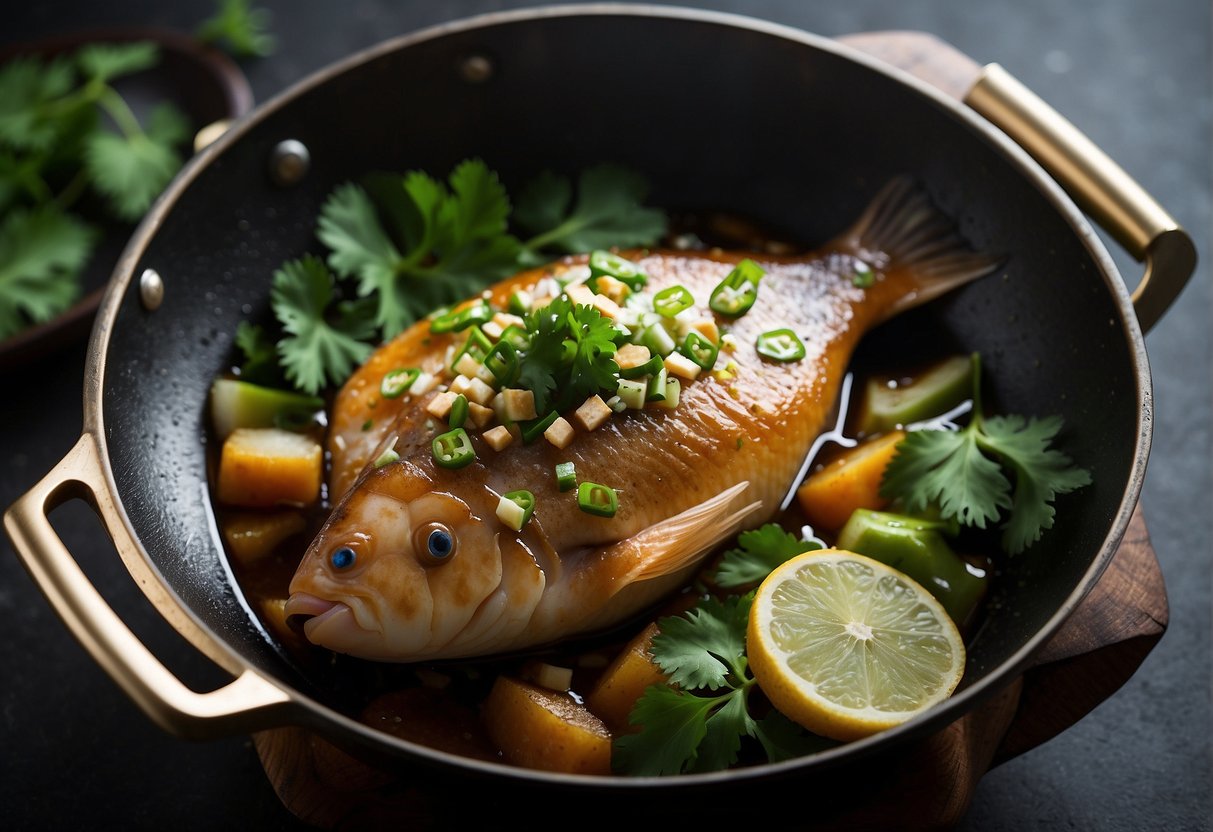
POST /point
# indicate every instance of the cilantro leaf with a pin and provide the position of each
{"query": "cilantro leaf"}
(964, 472)
(316, 352)
(132, 170)
(41, 254)
(545, 355)
(443, 245)
(592, 345)
(674, 725)
(240, 28)
(609, 212)
(702, 647)
(260, 364)
(760, 551)
(27, 86)
(783, 739)
(106, 61)
(725, 727)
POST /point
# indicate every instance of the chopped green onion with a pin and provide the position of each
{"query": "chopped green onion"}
(367, 425)
(632, 393)
(673, 392)
(534, 429)
(700, 350)
(459, 412)
(734, 295)
(658, 340)
(656, 389)
(601, 500)
(669, 302)
(397, 381)
(387, 458)
(477, 346)
(625, 271)
(648, 368)
(515, 508)
(566, 476)
(502, 361)
(780, 345)
(458, 321)
(453, 449)
(864, 277)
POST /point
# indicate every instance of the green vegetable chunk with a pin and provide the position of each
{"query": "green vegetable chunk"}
(622, 269)
(734, 295)
(566, 476)
(888, 404)
(238, 404)
(917, 548)
(600, 500)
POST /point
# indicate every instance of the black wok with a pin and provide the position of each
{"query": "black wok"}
(721, 113)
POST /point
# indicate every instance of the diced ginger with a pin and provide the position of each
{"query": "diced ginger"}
(440, 405)
(546, 675)
(560, 433)
(544, 729)
(253, 535)
(479, 414)
(830, 495)
(493, 330)
(265, 467)
(480, 392)
(677, 364)
(505, 320)
(498, 437)
(707, 328)
(631, 355)
(624, 681)
(592, 413)
(460, 385)
(467, 365)
(612, 288)
(518, 405)
(580, 295)
(605, 306)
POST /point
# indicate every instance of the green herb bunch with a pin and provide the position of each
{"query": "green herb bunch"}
(401, 245)
(67, 134)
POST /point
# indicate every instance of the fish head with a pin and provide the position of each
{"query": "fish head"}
(397, 568)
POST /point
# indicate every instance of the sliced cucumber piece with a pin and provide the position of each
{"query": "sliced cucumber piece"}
(888, 405)
(239, 404)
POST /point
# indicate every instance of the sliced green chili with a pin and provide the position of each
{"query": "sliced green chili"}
(516, 336)
(623, 270)
(397, 381)
(669, 302)
(453, 449)
(656, 388)
(601, 500)
(864, 277)
(525, 500)
(780, 345)
(700, 349)
(566, 476)
(476, 314)
(459, 412)
(646, 369)
(734, 295)
(502, 361)
(520, 303)
(477, 345)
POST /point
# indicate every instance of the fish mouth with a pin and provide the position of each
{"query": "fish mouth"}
(329, 623)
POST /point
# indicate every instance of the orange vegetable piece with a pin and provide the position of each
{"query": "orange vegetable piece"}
(624, 681)
(545, 729)
(829, 495)
(265, 467)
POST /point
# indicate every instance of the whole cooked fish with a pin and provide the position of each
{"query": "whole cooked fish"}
(413, 564)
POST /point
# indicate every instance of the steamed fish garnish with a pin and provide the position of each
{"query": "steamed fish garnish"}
(415, 562)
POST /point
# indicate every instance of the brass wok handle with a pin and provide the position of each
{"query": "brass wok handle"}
(1099, 185)
(247, 703)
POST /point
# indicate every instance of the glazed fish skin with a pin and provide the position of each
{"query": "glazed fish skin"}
(688, 478)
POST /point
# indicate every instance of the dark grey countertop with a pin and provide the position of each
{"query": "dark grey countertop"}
(1135, 76)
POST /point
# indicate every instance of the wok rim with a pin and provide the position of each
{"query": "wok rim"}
(315, 714)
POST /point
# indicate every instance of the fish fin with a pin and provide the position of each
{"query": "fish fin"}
(679, 542)
(902, 228)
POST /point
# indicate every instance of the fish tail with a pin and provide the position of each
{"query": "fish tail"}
(902, 229)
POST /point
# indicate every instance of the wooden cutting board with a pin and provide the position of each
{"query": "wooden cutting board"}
(926, 785)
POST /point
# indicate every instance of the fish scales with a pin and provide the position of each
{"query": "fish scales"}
(747, 429)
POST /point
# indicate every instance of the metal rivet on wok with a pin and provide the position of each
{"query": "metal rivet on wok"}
(476, 69)
(151, 289)
(289, 162)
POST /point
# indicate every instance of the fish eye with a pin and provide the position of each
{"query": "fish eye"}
(342, 558)
(435, 543)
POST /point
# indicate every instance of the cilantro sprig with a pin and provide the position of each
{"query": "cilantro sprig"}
(965, 472)
(65, 130)
(240, 28)
(699, 720)
(406, 244)
(758, 552)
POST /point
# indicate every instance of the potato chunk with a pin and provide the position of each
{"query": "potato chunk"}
(545, 729)
(830, 495)
(264, 467)
(252, 536)
(624, 681)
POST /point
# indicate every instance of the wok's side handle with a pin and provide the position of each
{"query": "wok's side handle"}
(1098, 184)
(249, 702)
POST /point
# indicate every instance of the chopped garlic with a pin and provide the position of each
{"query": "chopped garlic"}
(424, 384)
